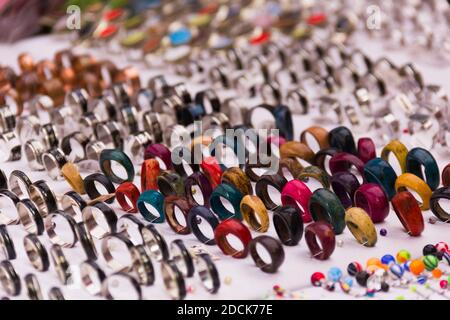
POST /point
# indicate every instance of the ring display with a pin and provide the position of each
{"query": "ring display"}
(92, 277)
(373, 200)
(418, 157)
(60, 263)
(197, 179)
(8, 207)
(142, 265)
(113, 243)
(131, 192)
(91, 189)
(9, 279)
(119, 286)
(30, 217)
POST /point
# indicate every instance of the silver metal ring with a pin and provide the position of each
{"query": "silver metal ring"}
(30, 217)
(92, 277)
(60, 263)
(7, 244)
(36, 252)
(28, 127)
(9, 279)
(88, 122)
(173, 280)
(8, 210)
(7, 119)
(113, 246)
(130, 226)
(34, 149)
(33, 287)
(10, 147)
(208, 273)
(55, 293)
(135, 146)
(142, 265)
(53, 160)
(121, 286)
(93, 150)
(57, 230)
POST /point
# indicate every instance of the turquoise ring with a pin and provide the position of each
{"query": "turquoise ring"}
(154, 199)
(109, 155)
(229, 193)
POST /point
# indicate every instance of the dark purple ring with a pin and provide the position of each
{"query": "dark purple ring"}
(158, 150)
(198, 178)
(343, 161)
(366, 149)
(344, 185)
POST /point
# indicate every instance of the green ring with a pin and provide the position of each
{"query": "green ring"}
(231, 194)
(324, 205)
(108, 155)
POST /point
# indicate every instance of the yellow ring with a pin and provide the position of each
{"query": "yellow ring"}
(252, 206)
(361, 226)
(399, 150)
(70, 172)
(413, 182)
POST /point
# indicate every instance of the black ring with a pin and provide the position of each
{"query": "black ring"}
(37, 254)
(319, 157)
(7, 243)
(179, 167)
(207, 215)
(9, 279)
(273, 247)
(47, 204)
(50, 138)
(91, 189)
(183, 258)
(341, 138)
(91, 224)
(14, 179)
(288, 225)
(197, 178)
(277, 181)
(189, 113)
(171, 275)
(161, 251)
(170, 184)
(212, 98)
(438, 211)
(31, 219)
(210, 273)
(86, 241)
(142, 265)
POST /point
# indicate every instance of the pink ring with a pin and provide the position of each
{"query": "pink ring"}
(297, 193)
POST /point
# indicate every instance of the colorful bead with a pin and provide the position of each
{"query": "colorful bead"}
(442, 246)
(373, 262)
(443, 284)
(334, 274)
(387, 259)
(429, 249)
(436, 273)
(383, 232)
(422, 279)
(361, 278)
(431, 262)
(417, 267)
(353, 268)
(317, 279)
(348, 281)
(406, 266)
(397, 270)
(344, 287)
(340, 243)
(403, 256)
(432, 220)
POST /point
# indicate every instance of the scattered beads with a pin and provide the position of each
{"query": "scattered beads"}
(443, 284)
(334, 274)
(340, 243)
(429, 249)
(436, 273)
(417, 267)
(317, 279)
(441, 246)
(432, 220)
(387, 259)
(228, 280)
(353, 268)
(383, 232)
(430, 262)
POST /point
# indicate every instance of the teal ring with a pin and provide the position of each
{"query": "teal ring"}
(108, 155)
(324, 205)
(418, 157)
(232, 195)
(156, 200)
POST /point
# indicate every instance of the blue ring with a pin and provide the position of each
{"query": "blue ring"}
(156, 200)
(418, 157)
(379, 171)
(231, 194)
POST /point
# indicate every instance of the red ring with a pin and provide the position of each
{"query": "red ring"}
(212, 170)
(408, 212)
(149, 173)
(236, 228)
(129, 190)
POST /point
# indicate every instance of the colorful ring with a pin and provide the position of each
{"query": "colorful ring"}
(344, 185)
(399, 150)
(297, 193)
(295, 149)
(156, 200)
(236, 228)
(254, 213)
(341, 138)
(379, 171)
(413, 182)
(169, 211)
(261, 188)
(320, 135)
(315, 173)
(288, 225)
(149, 173)
(361, 226)
(275, 250)
(199, 179)
(408, 212)
(438, 211)
(108, 155)
(205, 214)
(170, 184)
(231, 194)
(324, 205)
(129, 190)
(158, 150)
(212, 170)
(343, 161)
(373, 200)
(237, 178)
(446, 176)
(366, 149)
(419, 157)
(322, 232)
